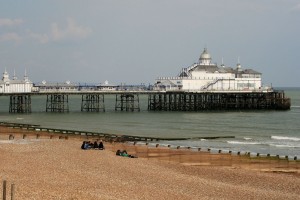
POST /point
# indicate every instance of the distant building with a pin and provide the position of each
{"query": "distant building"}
(15, 86)
(55, 87)
(106, 86)
(205, 75)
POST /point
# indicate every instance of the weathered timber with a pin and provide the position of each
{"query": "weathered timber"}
(57, 103)
(206, 101)
(20, 103)
(92, 103)
(127, 102)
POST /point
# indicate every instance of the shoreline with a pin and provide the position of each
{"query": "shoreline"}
(60, 169)
(182, 155)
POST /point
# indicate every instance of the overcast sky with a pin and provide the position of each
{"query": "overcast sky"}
(135, 41)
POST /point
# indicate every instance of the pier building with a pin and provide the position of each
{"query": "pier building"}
(15, 85)
(208, 76)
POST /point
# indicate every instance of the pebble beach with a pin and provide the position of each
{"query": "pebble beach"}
(60, 169)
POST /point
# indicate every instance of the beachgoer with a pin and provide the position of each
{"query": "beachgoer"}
(95, 146)
(101, 146)
(118, 153)
(83, 144)
(125, 154)
(86, 145)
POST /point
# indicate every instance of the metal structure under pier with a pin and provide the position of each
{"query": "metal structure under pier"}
(206, 101)
(57, 103)
(20, 103)
(127, 102)
(92, 103)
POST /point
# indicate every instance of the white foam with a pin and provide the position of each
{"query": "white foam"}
(285, 146)
(295, 106)
(285, 138)
(247, 138)
(238, 142)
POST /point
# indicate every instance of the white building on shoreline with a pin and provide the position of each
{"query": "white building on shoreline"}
(15, 86)
(207, 76)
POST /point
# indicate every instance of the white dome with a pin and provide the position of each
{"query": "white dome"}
(205, 58)
(205, 55)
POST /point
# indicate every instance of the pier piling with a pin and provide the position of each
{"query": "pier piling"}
(206, 101)
(92, 103)
(57, 103)
(20, 103)
(127, 102)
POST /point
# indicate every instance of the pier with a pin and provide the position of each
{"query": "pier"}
(205, 101)
(128, 101)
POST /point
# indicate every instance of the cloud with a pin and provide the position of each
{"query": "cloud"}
(10, 22)
(72, 30)
(296, 7)
(42, 38)
(10, 37)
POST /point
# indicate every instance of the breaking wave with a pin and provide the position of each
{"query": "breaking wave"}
(285, 138)
(239, 142)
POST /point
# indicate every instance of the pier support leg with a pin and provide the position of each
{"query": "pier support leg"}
(92, 103)
(57, 103)
(20, 103)
(127, 102)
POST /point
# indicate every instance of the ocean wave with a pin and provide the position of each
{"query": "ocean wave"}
(247, 138)
(295, 106)
(239, 142)
(285, 145)
(285, 138)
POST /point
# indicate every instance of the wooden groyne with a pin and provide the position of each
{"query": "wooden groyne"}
(144, 147)
(206, 101)
(211, 157)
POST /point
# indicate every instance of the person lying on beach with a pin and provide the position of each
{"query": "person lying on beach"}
(124, 154)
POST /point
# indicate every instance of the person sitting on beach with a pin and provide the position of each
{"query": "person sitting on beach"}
(101, 146)
(95, 146)
(85, 145)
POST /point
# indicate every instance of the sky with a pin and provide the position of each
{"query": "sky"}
(136, 41)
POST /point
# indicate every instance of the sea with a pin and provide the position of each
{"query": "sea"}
(258, 131)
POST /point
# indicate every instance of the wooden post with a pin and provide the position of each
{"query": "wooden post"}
(4, 190)
(12, 194)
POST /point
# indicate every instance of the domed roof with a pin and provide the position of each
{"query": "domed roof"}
(205, 55)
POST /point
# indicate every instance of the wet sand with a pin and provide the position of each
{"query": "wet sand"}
(59, 169)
